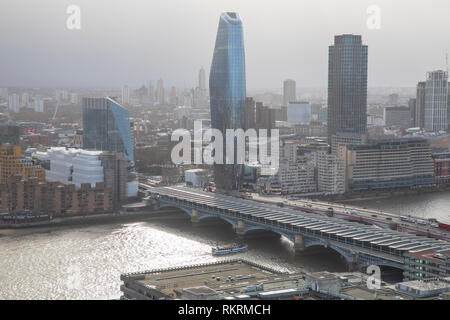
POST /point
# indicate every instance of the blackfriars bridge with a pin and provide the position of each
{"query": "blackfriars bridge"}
(360, 245)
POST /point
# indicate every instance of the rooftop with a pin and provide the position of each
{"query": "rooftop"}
(227, 278)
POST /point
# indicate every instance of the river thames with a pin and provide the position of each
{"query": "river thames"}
(426, 205)
(85, 262)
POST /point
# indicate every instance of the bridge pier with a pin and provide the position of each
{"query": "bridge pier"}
(240, 229)
(194, 217)
(353, 264)
(299, 244)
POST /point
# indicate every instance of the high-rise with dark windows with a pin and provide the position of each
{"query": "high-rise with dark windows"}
(106, 126)
(347, 85)
(289, 91)
(228, 91)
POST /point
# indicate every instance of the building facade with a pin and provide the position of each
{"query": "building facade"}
(12, 163)
(412, 112)
(347, 85)
(428, 264)
(442, 168)
(106, 126)
(227, 86)
(32, 195)
(330, 173)
(436, 95)
(289, 91)
(420, 105)
(397, 116)
(388, 164)
(297, 170)
(81, 167)
(298, 112)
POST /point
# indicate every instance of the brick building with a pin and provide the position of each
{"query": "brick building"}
(19, 195)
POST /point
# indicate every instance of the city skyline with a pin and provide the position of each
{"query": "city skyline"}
(144, 55)
(142, 143)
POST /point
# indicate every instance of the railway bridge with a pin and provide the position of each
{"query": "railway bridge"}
(360, 245)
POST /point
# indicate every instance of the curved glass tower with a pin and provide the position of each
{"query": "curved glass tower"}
(227, 91)
(106, 126)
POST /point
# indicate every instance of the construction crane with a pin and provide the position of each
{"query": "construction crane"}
(52, 122)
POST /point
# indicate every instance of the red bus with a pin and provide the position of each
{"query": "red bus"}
(444, 226)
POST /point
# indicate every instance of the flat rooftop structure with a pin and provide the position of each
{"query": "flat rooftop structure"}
(426, 288)
(223, 279)
(361, 292)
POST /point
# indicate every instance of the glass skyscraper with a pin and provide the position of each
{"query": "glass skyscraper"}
(347, 85)
(228, 91)
(106, 126)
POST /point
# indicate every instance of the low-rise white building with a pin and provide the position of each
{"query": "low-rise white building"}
(73, 166)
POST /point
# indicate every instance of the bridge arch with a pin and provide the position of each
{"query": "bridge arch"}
(347, 255)
(187, 211)
(210, 216)
(249, 228)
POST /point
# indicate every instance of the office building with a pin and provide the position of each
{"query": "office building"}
(160, 92)
(202, 79)
(330, 173)
(289, 91)
(393, 98)
(343, 139)
(265, 117)
(420, 105)
(388, 164)
(126, 94)
(347, 85)
(227, 89)
(12, 163)
(106, 126)
(397, 116)
(412, 112)
(296, 173)
(298, 112)
(9, 133)
(436, 95)
(429, 264)
(250, 113)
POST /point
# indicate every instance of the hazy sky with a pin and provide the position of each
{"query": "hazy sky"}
(133, 41)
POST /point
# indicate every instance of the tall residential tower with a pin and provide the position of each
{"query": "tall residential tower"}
(436, 94)
(289, 91)
(228, 91)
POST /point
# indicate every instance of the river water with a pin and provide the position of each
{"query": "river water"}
(85, 262)
(426, 205)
